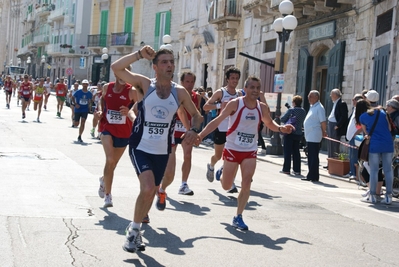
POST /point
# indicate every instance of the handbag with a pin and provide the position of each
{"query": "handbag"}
(363, 153)
(291, 120)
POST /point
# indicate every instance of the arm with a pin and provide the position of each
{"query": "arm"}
(140, 82)
(185, 99)
(230, 108)
(271, 124)
(183, 117)
(210, 104)
(324, 128)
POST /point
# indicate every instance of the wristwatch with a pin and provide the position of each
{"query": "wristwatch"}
(195, 130)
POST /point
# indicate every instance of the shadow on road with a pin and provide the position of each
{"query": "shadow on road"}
(252, 238)
(113, 222)
(188, 207)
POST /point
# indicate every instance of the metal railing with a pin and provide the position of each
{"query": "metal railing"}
(97, 40)
(122, 39)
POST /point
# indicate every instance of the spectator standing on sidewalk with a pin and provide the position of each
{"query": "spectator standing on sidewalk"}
(291, 141)
(352, 130)
(315, 129)
(337, 122)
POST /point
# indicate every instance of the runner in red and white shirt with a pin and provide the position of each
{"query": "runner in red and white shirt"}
(61, 91)
(244, 116)
(25, 92)
(8, 87)
(183, 124)
(113, 108)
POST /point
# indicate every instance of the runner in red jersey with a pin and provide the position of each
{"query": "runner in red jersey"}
(61, 91)
(8, 86)
(25, 90)
(116, 125)
(183, 124)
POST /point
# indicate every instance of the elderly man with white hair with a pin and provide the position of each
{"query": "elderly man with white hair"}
(337, 122)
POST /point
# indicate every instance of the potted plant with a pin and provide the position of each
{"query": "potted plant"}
(339, 165)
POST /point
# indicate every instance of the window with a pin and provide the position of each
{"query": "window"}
(162, 27)
(230, 53)
(269, 46)
(384, 22)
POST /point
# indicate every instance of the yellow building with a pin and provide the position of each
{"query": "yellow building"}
(115, 31)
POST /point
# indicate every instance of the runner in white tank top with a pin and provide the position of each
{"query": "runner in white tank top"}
(149, 145)
(244, 117)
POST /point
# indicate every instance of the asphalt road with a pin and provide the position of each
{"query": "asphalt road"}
(51, 214)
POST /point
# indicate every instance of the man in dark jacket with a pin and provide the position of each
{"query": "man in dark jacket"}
(337, 122)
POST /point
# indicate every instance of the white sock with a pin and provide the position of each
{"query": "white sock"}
(136, 226)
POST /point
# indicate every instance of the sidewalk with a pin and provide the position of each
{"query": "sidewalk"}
(279, 160)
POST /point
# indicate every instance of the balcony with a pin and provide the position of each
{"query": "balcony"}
(23, 51)
(260, 8)
(225, 14)
(54, 50)
(97, 41)
(43, 11)
(123, 41)
(57, 14)
(69, 21)
(42, 39)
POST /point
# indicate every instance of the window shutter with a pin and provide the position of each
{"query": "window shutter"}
(167, 22)
(157, 30)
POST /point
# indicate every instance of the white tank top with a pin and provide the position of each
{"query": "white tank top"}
(226, 97)
(243, 125)
(154, 125)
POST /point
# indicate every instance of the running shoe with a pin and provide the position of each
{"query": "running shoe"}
(58, 114)
(233, 189)
(369, 199)
(92, 133)
(366, 194)
(133, 240)
(23, 115)
(161, 200)
(108, 201)
(146, 219)
(38, 120)
(219, 173)
(80, 139)
(8, 106)
(238, 223)
(185, 190)
(387, 200)
(101, 189)
(45, 107)
(210, 173)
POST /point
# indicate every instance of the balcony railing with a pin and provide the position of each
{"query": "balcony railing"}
(224, 10)
(53, 49)
(57, 14)
(43, 11)
(122, 39)
(98, 40)
(41, 39)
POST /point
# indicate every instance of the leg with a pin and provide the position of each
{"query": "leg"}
(82, 125)
(388, 172)
(112, 157)
(217, 155)
(247, 167)
(288, 145)
(313, 161)
(145, 197)
(296, 155)
(170, 170)
(374, 162)
(35, 105)
(228, 174)
(186, 166)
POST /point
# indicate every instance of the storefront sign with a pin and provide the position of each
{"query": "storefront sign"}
(322, 31)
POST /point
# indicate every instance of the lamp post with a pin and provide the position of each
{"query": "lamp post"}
(283, 27)
(28, 61)
(104, 58)
(166, 39)
(42, 61)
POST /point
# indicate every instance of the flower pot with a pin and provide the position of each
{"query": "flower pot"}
(338, 167)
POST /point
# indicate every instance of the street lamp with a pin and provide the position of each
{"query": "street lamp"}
(104, 58)
(28, 61)
(42, 61)
(166, 39)
(283, 26)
